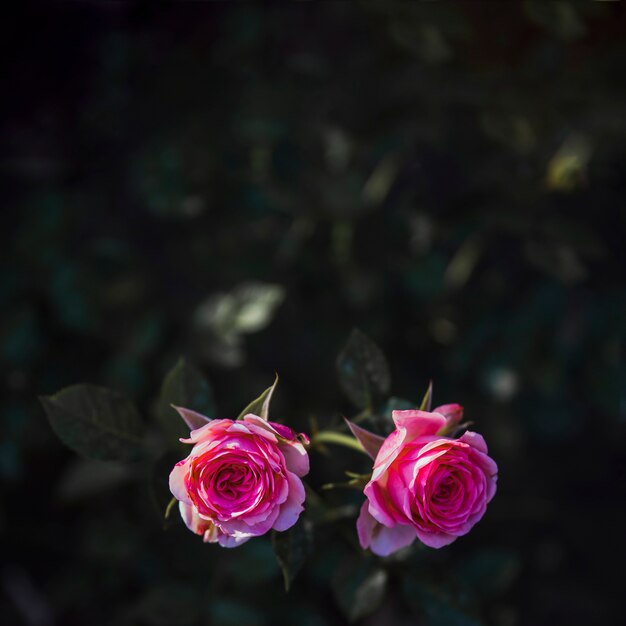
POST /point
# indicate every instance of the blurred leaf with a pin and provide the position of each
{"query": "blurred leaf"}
(84, 478)
(96, 422)
(567, 169)
(462, 264)
(379, 183)
(292, 547)
(224, 317)
(359, 589)
(261, 405)
(363, 370)
(255, 304)
(186, 387)
(489, 572)
(434, 605)
(246, 309)
(559, 17)
(396, 404)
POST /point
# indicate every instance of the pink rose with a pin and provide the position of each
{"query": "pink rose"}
(241, 479)
(425, 484)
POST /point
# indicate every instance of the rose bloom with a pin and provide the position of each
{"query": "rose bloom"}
(241, 479)
(425, 484)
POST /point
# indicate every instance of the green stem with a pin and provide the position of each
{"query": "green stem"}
(340, 439)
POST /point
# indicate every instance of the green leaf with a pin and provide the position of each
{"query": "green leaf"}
(96, 422)
(359, 588)
(292, 547)
(186, 387)
(261, 405)
(427, 400)
(363, 370)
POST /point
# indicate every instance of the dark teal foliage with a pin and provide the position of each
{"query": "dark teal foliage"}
(243, 184)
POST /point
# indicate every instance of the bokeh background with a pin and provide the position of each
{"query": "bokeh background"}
(243, 184)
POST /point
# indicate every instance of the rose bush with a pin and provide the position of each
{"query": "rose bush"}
(425, 484)
(241, 479)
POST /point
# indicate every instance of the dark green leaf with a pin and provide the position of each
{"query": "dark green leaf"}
(292, 547)
(359, 589)
(363, 370)
(96, 422)
(261, 405)
(186, 387)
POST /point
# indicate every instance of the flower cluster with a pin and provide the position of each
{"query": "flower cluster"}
(242, 479)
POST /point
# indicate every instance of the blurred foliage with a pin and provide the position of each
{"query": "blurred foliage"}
(244, 184)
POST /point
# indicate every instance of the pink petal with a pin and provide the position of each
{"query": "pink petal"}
(379, 507)
(229, 541)
(191, 518)
(177, 482)
(296, 458)
(290, 509)
(388, 452)
(417, 422)
(475, 440)
(452, 412)
(207, 431)
(381, 540)
(434, 540)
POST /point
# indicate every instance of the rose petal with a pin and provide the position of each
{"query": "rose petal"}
(417, 422)
(207, 431)
(388, 452)
(434, 540)
(475, 440)
(296, 458)
(452, 412)
(177, 482)
(381, 540)
(290, 510)
(231, 541)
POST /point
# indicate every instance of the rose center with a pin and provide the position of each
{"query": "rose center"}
(232, 480)
(447, 489)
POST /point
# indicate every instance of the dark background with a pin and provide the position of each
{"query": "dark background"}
(243, 184)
